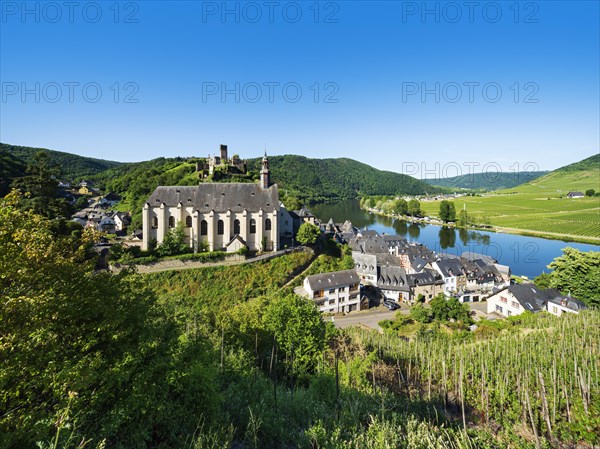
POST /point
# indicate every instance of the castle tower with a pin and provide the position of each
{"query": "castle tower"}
(265, 174)
(224, 154)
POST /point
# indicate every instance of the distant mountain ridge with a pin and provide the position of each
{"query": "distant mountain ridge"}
(486, 181)
(73, 166)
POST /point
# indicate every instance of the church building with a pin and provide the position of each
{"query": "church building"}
(218, 216)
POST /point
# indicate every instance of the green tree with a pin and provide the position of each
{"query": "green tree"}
(543, 281)
(439, 307)
(174, 242)
(299, 331)
(96, 345)
(420, 313)
(400, 207)
(414, 208)
(577, 272)
(41, 186)
(463, 218)
(308, 234)
(447, 211)
(590, 192)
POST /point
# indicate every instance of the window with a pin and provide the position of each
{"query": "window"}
(253, 226)
(220, 227)
(509, 312)
(203, 227)
(171, 222)
(188, 221)
(498, 308)
(154, 222)
(555, 310)
(515, 304)
(331, 291)
(503, 299)
(236, 226)
(268, 224)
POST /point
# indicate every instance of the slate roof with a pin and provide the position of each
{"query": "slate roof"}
(392, 278)
(333, 279)
(219, 197)
(418, 264)
(470, 255)
(529, 296)
(425, 277)
(366, 263)
(569, 302)
(450, 267)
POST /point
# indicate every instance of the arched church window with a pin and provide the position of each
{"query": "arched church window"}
(171, 222)
(268, 224)
(188, 221)
(203, 227)
(220, 227)
(154, 222)
(236, 226)
(253, 226)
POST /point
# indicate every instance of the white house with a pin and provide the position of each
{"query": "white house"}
(393, 283)
(334, 292)
(366, 267)
(213, 214)
(516, 299)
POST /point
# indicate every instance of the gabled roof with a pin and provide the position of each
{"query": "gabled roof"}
(529, 296)
(425, 277)
(450, 267)
(219, 197)
(236, 238)
(333, 279)
(392, 278)
(569, 302)
(470, 255)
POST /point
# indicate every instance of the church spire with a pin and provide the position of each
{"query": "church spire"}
(265, 173)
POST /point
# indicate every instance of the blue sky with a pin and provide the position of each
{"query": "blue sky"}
(422, 88)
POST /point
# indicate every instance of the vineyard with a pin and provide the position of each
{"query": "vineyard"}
(543, 381)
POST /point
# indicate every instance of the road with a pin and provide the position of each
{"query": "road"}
(370, 318)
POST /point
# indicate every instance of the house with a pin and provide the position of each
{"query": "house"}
(516, 299)
(559, 304)
(214, 213)
(121, 220)
(452, 274)
(110, 199)
(106, 224)
(393, 284)
(334, 292)
(366, 267)
(575, 194)
(427, 282)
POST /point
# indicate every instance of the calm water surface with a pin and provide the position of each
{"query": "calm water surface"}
(527, 256)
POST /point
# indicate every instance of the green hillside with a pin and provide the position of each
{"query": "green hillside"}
(11, 167)
(541, 206)
(73, 166)
(486, 181)
(315, 180)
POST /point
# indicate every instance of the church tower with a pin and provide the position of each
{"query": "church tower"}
(265, 174)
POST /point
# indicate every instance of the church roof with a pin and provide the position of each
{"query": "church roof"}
(219, 197)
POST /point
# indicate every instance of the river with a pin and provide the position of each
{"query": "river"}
(527, 256)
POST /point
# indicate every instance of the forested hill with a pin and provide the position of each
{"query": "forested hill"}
(590, 163)
(72, 166)
(11, 167)
(329, 179)
(486, 181)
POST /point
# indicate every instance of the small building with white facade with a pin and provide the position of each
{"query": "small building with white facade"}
(334, 292)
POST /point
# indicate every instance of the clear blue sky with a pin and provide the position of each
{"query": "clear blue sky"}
(374, 58)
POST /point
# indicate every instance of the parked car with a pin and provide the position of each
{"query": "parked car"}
(391, 305)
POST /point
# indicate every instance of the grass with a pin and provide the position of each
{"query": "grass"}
(540, 207)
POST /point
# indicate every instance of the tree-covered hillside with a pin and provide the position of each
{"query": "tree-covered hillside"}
(11, 167)
(486, 181)
(314, 180)
(73, 167)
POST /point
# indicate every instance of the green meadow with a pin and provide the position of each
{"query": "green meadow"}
(541, 206)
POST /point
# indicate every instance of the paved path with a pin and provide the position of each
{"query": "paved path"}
(368, 318)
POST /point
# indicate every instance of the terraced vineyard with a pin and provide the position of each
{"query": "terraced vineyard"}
(541, 206)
